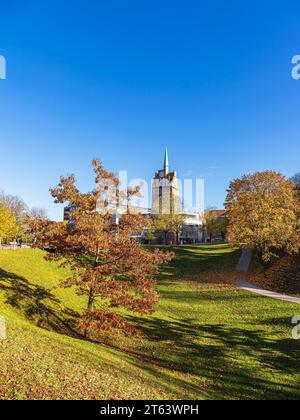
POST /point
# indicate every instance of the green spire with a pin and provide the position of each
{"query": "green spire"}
(166, 163)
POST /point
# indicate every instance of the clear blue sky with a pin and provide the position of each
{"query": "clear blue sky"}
(121, 79)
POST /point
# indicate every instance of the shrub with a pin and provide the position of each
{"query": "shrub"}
(282, 276)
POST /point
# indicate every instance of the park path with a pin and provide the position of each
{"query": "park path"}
(243, 267)
(244, 262)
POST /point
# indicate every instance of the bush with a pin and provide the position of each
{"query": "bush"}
(282, 276)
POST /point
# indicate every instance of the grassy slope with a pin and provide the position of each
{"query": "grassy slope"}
(206, 340)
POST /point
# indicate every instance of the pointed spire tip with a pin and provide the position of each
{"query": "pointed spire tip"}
(166, 162)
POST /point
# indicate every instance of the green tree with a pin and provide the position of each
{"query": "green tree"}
(176, 224)
(149, 236)
(169, 223)
(223, 222)
(211, 224)
(162, 223)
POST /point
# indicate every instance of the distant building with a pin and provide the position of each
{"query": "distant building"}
(165, 191)
(191, 231)
(165, 200)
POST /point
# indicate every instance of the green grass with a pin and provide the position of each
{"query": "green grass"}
(207, 340)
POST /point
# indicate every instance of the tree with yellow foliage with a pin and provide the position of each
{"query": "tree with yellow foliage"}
(8, 226)
(262, 209)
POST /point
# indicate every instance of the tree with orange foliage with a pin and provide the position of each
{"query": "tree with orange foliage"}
(262, 209)
(110, 268)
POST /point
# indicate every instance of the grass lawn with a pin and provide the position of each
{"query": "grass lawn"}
(207, 340)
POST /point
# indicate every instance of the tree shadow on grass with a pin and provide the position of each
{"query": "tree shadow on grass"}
(235, 362)
(38, 304)
(188, 263)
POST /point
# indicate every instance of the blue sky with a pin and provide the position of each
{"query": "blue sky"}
(120, 80)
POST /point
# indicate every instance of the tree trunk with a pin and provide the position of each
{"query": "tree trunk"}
(91, 300)
(90, 307)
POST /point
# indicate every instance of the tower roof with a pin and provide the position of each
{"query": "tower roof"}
(166, 162)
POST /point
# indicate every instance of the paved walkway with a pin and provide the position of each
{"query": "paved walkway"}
(245, 261)
(12, 247)
(243, 267)
(244, 285)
